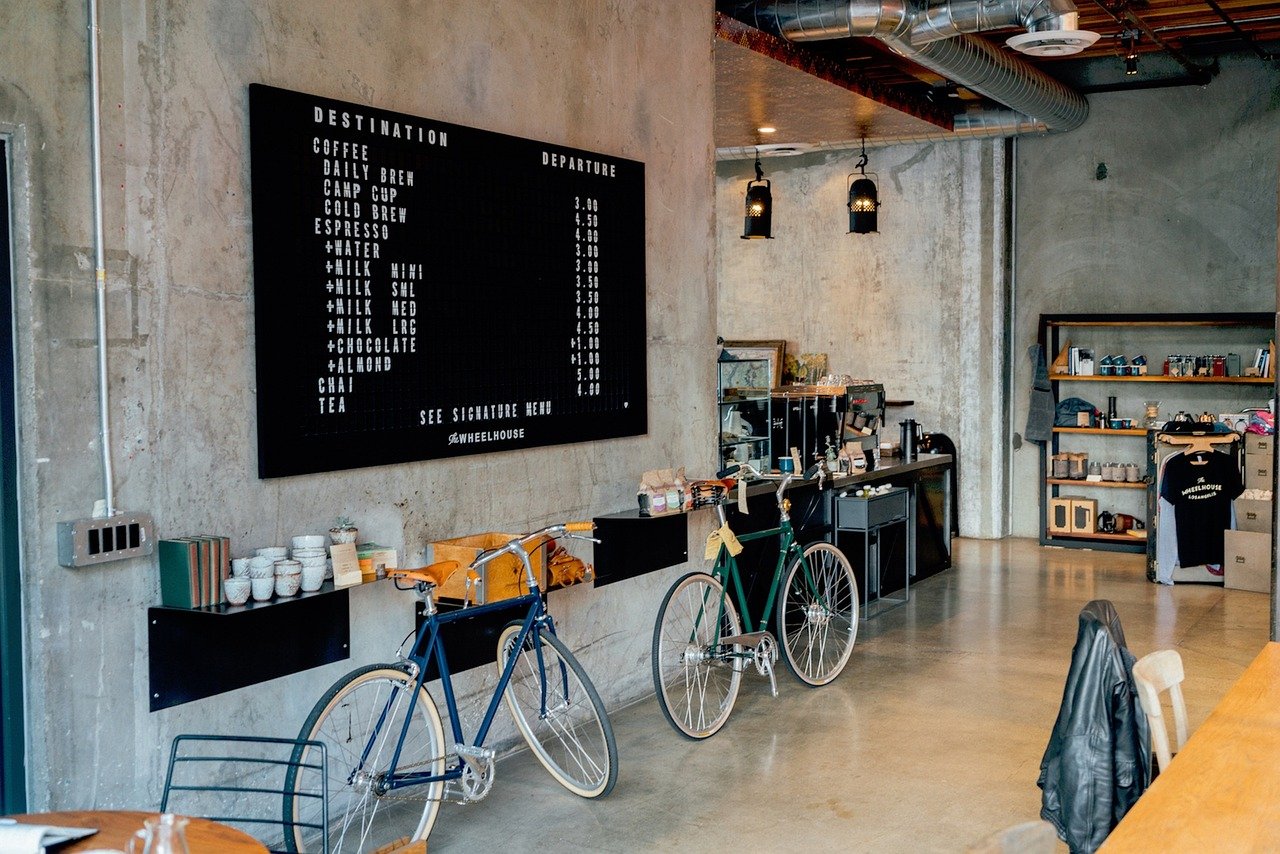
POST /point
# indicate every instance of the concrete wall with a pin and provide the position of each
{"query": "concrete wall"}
(627, 78)
(1185, 221)
(918, 306)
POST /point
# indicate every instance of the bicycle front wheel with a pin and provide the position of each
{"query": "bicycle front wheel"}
(695, 678)
(559, 712)
(359, 720)
(818, 621)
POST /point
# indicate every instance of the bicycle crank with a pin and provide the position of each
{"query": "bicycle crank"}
(763, 651)
(477, 774)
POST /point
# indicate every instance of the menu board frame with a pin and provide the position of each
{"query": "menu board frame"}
(425, 290)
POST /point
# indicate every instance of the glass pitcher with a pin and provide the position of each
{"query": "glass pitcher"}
(164, 834)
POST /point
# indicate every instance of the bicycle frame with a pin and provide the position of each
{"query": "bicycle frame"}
(726, 570)
(427, 644)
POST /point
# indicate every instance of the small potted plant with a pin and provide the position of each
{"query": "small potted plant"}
(344, 531)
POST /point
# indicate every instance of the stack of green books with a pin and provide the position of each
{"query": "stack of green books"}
(192, 569)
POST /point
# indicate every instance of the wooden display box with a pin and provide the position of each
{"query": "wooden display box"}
(502, 578)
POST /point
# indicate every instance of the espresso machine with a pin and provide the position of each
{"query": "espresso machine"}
(818, 420)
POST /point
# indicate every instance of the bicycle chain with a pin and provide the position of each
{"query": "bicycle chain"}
(390, 797)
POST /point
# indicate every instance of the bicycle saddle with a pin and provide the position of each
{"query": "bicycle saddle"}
(436, 573)
(708, 492)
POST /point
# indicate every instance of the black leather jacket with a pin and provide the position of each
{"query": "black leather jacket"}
(1099, 757)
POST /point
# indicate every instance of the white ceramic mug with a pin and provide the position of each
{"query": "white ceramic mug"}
(263, 588)
(240, 566)
(287, 585)
(312, 577)
(236, 589)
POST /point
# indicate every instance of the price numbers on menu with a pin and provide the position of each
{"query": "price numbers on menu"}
(585, 346)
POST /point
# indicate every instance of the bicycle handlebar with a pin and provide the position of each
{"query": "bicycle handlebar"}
(517, 544)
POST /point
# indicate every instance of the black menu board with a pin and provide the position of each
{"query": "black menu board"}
(428, 290)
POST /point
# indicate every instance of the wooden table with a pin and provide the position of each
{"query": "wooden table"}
(1221, 792)
(116, 827)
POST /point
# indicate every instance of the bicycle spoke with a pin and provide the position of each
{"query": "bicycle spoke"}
(695, 680)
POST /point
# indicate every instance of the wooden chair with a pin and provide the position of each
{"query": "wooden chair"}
(1162, 671)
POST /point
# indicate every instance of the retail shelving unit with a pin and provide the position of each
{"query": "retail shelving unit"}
(742, 395)
(1243, 332)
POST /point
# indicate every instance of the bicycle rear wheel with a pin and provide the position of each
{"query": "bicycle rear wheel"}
(818, 620)
(366, 709)
(559, 712)
(695, 681)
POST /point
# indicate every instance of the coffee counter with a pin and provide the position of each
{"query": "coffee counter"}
(632, 544)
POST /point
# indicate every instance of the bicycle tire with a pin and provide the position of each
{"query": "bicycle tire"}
(818, 614)
(685, 671)
(572, 738)
(344, 719)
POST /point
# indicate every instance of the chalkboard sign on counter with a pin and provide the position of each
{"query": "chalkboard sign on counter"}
(427, 290)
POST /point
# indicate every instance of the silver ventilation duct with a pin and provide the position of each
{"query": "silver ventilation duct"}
(952, 18)
(1002, 77)
(923, 33)
(975, 124)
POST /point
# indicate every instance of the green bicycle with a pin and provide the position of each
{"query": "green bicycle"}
(699, 649)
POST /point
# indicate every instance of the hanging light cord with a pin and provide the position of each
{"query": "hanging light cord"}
(862, 159)
(759, 171)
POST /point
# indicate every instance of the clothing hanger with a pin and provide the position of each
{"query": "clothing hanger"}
(1195, 443)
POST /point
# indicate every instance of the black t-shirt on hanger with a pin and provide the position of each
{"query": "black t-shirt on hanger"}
(1201, 486)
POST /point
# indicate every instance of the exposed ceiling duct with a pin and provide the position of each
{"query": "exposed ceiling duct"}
(936, 37)
(975, 124)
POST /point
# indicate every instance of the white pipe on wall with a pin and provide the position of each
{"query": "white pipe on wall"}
(99, 260)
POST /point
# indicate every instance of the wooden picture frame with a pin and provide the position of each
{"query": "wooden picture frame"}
(774, 351)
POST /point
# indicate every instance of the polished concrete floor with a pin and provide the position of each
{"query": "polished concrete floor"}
(929, 740)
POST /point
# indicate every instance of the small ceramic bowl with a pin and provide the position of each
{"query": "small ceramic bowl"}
(301, 553)
(261, 567)
(309, 541)
(313, 561)
(262, 588)
(312, 577)
(328, 570)
(288, 567)
(287, 585)
(236, 589)
(240, 566)
(273, 552)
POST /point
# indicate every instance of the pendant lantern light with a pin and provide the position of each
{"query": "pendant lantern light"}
(1130, 52)
(864, 199)
(758, 222)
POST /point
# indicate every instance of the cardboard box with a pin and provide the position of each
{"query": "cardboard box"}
(1246, 563)
(1256, 443)
(1060, 515)
(1084, 516)
(502, 578)
(1257, 472)
(1253, 515)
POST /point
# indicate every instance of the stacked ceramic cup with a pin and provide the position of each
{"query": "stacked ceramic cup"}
(237, 588)
(262, 575)
(312, 558)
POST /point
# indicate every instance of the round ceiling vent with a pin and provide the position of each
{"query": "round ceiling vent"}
(784, 149)
(1052, 42)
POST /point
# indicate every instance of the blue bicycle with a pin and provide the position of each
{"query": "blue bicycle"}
(389, 766)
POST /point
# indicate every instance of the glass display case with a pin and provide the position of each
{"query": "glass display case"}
(742, 395)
